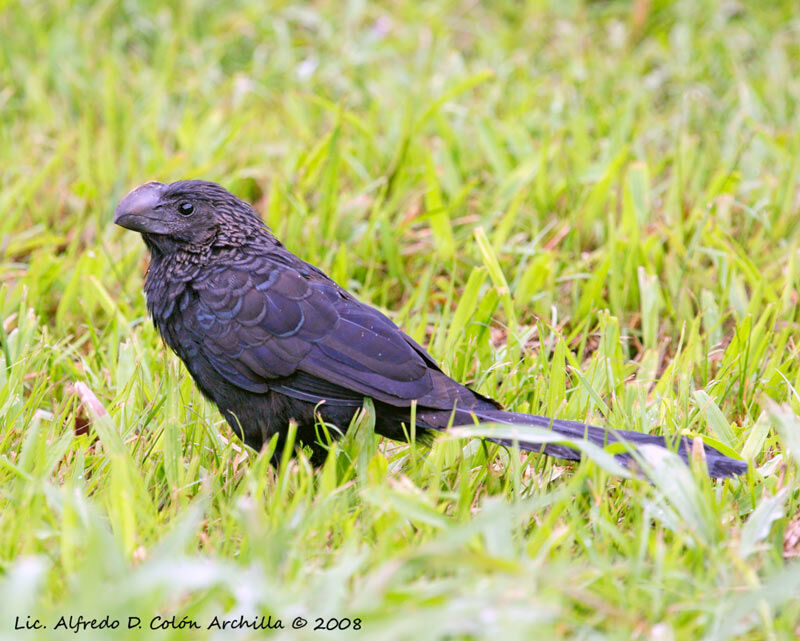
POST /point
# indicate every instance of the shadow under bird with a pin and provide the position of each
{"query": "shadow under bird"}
(270, 338)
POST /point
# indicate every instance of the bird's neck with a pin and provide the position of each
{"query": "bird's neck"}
(168, 277)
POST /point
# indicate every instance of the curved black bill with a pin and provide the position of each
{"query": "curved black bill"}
(137, 211)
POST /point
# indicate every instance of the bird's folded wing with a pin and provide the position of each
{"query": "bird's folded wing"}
(259, 327)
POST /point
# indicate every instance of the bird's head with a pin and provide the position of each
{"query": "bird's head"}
(188, 215)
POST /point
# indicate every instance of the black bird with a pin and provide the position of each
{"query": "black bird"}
(269, 338)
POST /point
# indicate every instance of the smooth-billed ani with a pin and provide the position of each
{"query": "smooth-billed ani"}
(269, 338)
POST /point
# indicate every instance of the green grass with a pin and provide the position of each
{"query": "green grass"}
(587, 209)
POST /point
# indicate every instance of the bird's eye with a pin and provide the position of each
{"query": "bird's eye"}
(186, 208)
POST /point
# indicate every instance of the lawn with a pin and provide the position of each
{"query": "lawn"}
(582, 209)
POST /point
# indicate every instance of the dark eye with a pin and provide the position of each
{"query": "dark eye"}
(185, 208)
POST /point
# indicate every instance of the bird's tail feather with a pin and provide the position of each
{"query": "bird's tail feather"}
(718, 464)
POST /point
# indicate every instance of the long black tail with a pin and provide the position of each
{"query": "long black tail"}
(719, 465)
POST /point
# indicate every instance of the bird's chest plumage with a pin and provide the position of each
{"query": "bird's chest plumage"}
(172, 304)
